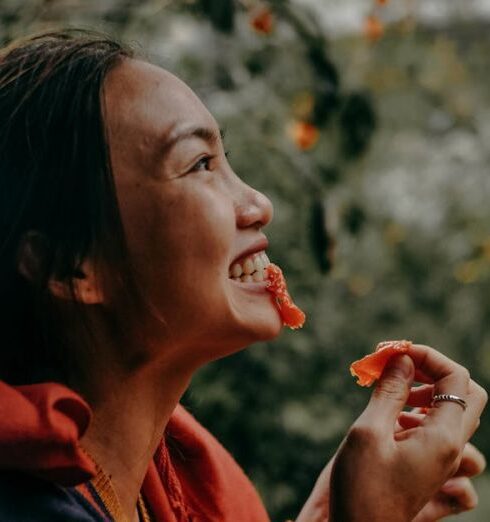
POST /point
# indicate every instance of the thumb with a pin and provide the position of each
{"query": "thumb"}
(391, 393)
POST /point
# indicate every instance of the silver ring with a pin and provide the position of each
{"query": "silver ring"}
(450, 398)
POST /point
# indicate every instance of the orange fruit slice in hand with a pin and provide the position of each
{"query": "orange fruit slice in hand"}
(369, 368)
(290, 314)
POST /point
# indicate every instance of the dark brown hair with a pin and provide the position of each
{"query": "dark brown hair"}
(56, 191)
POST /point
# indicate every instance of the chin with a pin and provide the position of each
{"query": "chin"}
(234, 336)
(257, 327)
(269, 330)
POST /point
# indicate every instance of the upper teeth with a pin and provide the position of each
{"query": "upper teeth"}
(251, 268)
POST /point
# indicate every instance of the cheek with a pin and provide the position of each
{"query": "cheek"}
(137, 208)
(197, 232)
(179, 243)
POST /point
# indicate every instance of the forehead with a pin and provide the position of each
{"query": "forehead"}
(146, 103)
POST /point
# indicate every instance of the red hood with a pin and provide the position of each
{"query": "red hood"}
(40, 429)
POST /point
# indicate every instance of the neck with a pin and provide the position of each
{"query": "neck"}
(130, 414)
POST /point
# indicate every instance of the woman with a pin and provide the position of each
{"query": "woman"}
(120, 223)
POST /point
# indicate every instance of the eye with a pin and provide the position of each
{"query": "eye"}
(203, 164)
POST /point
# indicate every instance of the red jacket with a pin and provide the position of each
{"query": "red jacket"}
(192, 477)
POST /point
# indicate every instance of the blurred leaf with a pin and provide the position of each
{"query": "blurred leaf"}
(330, 175)
(326, 103)
(326, 84)
(357, 124)
(221, 13)
(322, 65)
(223, 78)
(354, 219)
(258, 61)
(323, 243)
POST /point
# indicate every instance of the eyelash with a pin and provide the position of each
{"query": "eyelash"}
(206, 159)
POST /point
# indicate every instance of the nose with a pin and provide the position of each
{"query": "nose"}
(253, 208)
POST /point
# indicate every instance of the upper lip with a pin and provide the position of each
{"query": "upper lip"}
(258, 246)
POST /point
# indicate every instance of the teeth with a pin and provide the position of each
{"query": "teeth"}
(258, 276)
(259, 264)
(248, 266)
(252, 268)
(236, 270)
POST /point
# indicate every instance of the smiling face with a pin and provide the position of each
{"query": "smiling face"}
(188, 218)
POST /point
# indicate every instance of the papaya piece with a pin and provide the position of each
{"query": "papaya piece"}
(291, 315)
(369, 368)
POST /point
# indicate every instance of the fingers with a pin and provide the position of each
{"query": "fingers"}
(455, 496)
(391, 393)
(472, 463)
(460, 493)
(421, 377)
(408, 420)
(476, 400)
(421, 396)
(432, 364)
(448, 378)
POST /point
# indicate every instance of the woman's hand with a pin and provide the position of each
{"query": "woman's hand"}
(455, 496)
(382, 474)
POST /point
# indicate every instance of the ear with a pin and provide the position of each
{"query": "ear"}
(86, 284)
(30, 255)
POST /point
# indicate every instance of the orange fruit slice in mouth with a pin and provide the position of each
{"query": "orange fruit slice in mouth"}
(369, 368)
(291, 315)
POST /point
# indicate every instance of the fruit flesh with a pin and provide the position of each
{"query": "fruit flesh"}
(290, 314)
(369, 368)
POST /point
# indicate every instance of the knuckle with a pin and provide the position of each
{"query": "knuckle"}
(449, 451)
(478, 394)
(453, 465)
(389, 388)
(449, 457)
(482, 393)
(464, 373)
(362, 435)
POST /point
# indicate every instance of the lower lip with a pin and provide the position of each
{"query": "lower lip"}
(258, 287)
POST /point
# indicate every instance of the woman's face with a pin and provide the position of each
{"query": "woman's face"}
(187, 216)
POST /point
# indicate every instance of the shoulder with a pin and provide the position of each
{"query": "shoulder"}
(24, 498)
(209, 475)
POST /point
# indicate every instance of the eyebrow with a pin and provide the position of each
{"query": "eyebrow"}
(206, 134)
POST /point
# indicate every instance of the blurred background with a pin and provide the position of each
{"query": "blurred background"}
(367, 122)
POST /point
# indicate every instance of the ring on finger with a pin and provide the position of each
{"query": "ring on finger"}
(449, 398)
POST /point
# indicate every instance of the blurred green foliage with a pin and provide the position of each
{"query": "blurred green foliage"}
(382, 235)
